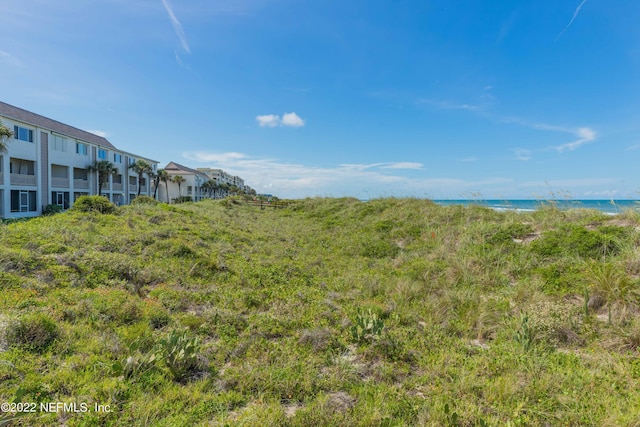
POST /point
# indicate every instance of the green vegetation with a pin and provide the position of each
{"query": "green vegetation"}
(52, 209)
(337, 312)
(96, 204)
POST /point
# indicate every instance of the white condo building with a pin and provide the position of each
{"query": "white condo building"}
(47, 162)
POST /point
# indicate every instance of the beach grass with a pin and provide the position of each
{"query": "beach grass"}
(338, 312)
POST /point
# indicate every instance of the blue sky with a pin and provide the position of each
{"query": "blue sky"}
(366, 98)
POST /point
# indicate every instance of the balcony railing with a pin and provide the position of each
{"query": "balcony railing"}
(80, 183)
(1, 178)
(20, 179)
(133, 188)
(116, 187)
(59, 182)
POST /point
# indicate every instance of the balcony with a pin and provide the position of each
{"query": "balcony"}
(133, 188)
(116, 186)
(81, 183)
(1, 178)
(20, 179)
(60, 182)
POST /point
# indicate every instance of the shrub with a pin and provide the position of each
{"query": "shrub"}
(183, 199)
(52, 209)
(577, 240)
(159, 319)
(561, 277)
(553, 323)
(94, 204)
(33, 332)
(144, 200)
(500, 235)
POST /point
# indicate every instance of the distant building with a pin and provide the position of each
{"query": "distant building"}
(47, 162)
(192, 185)
(222, 177)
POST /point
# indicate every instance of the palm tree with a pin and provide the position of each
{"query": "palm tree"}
(210, 186)
(206, 187)
(178, 179)
(225, 188)
(104, 168)
(141, 167)
(5, 134)
(161, 176)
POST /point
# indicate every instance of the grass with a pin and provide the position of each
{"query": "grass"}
(337, 312)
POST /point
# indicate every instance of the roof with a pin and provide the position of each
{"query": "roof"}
(173, 167)
(34, 119)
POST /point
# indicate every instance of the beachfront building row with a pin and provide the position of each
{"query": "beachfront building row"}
(195, 183)
(221, 177)
(48, 162)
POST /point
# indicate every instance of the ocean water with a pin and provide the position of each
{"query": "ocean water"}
(611, 207)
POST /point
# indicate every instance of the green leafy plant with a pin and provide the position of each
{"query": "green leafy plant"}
(137, 363)
(524, 335)
(52, 209)
(183, 199)
(144, 200)
(367, 326)
(179, 351)
(97, 204)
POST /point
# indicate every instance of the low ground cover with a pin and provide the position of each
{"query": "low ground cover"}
(328, 312)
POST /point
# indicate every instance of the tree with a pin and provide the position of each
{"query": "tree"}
(210, 186)
(178, 179)
(103, 168)
(5, 134)
(224, 187)
(161, 176)
(141, 167)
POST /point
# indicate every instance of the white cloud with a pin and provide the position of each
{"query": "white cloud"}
(10, 59)
(292, 120)
(568, 183)
(573, 18)
(448, 105)
(181, 62)
(177, 26)
(633, 147)
(468, 159)
(268, 120)
(225, 158)
(585, 135)
(99, 133)
(522, 154)
(273, 120)
(403, 165)
(296, 180)
(604, 193)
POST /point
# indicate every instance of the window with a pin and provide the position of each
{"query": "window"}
(81, 148)
(23, 134)
(117, 158)
(60, 198)
(59, 143)
(102, 154)
(23, 201)
(22, 167)
(131, 161)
